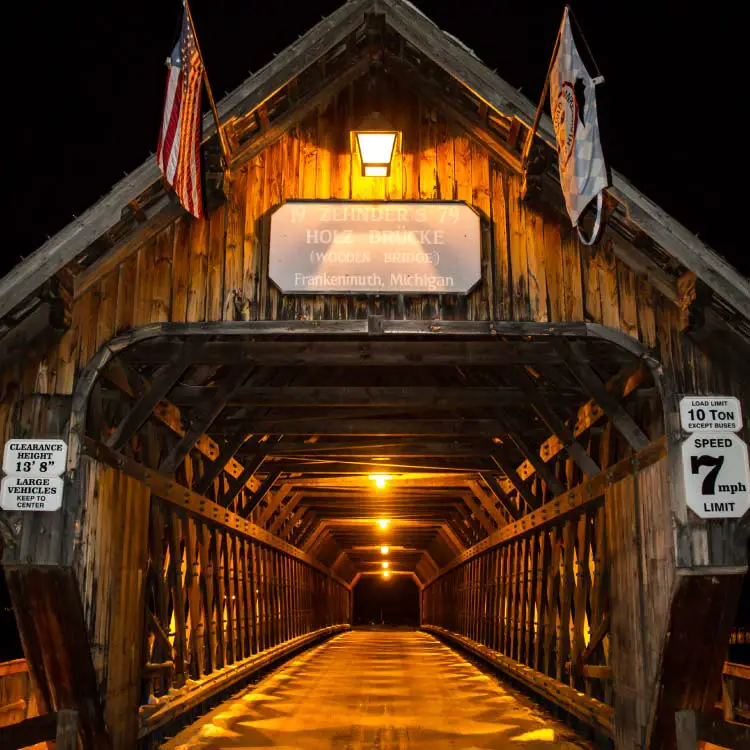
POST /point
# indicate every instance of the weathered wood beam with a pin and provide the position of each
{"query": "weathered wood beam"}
(501, 495)
(257, 497)
(49, 612)
(694, 728)
(325, 537)
(273, 504)
(60, 726)
(473, 126)
(225, 455)
(157, 218)
(585, 375)
(203, 416)
(359, 353)
(419, 479)
(478, 513)
(198, 505)
(339, 559)
(297, 533)
(313, 537)
(541, 468)
(572, 501)
(624, 383)
(487, 502)
(285, 511)
(385, 427)
(379, 396)
(303, 107)
(32, 336)
(596, 638)
(539, 403)
(129, 382)
(144, 404)
(499, 457)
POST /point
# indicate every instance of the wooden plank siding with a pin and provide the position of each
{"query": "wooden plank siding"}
(533, 266)
(538, 599)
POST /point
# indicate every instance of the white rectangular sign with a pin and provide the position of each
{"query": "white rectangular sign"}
(393, 247)
(35, 457)
(716, 475)
(712, 413)
(31, 493)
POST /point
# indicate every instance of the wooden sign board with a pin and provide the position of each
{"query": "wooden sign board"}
(353, 247)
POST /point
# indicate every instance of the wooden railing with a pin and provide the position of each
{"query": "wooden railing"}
(534, 598)
(537, 605)
(220, 604)
(62, 727)
(735, 692)
(18, 700)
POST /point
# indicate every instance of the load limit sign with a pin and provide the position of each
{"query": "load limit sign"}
(33, 469)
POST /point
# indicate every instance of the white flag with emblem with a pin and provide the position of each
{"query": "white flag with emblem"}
(583, 174)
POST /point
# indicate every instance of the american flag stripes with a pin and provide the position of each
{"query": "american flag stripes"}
(178, 153)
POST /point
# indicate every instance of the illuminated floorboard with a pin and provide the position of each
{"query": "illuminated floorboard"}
(378, 690)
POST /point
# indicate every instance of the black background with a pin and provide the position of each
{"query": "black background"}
(386, 601)
(84, 85)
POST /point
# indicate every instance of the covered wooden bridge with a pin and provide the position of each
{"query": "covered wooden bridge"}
(240, 459)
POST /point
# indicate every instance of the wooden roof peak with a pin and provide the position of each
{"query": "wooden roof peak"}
(445, 51)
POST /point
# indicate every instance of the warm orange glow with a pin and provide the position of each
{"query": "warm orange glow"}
(536, 735)
(376, 151)
(383, 523)
(385, 564)
(380, 479)
(386, 574)
(384, 549)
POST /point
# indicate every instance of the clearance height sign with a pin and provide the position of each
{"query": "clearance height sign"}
(33, 469)
(352, 247)
(714, 459)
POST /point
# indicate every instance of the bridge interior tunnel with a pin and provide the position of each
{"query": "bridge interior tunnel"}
(367, 454)
(392, 601)
(414, 479)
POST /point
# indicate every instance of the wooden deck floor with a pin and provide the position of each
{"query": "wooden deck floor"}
(378, 690)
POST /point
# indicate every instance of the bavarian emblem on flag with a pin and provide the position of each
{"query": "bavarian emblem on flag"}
(583, 173)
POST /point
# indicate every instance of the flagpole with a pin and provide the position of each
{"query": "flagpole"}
(538, 116)
(222, 143)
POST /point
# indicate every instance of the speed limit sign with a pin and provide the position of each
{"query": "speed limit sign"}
(716, 475)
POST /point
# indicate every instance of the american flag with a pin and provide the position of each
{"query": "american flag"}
(178, 153)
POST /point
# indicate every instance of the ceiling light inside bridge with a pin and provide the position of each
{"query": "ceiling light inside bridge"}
(380, 479)
(384, 549)
(385, 564)
(383, 523)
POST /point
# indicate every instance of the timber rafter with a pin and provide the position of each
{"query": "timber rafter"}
(296, 429)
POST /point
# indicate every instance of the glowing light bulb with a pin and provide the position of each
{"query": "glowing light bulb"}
(383, 523)
(384, 549)
(380, 479)
(385, 564)
(386, 574)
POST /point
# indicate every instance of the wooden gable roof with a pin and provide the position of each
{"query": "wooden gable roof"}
(328, 57)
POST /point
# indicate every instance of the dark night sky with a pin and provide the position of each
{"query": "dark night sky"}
(84, 84)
